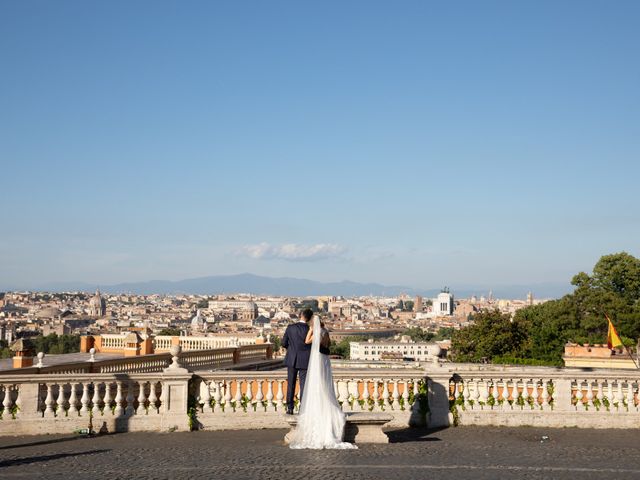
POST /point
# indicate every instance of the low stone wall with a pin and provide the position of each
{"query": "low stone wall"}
(178, 399)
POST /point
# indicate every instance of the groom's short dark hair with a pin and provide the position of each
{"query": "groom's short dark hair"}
(307, 314)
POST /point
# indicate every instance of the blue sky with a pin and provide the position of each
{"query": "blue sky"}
(419, 143)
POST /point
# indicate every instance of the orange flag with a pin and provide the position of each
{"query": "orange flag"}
(613, 339)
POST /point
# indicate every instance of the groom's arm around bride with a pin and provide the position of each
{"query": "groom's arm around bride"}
(297, 358)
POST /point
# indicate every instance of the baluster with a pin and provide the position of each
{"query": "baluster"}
(107, 398)
(589, 394)
(238, 397)
(405, 395)
(504, 395)
(385, 393)
(338, 393)
(376, 396)
(365, 395)
(630, 397)
(619, 395)
(346, 404)
(48, 402)
(610, 395)
(466, 394)
(545, 394)
(280, 395)
(579, 404)
(96, 399)
(142, 399)
(206, 396)
(119, 408)
(153, 397)
(493, 392)
(259, 395)
(227, 393)
(130, 410)
(84, 410)
(525, 392)
(18, 400)
(269, 398)
(395, 404)
(61, 401)
(7, 402)
(73, 400)
(484, 391)
(476, 393)
(217, 394)
(249, 387)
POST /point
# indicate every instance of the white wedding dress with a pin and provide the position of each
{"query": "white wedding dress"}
(321, 421)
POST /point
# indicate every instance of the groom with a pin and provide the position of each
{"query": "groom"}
(297, 358)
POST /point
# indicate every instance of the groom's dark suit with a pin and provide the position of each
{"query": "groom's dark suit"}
(297, 358)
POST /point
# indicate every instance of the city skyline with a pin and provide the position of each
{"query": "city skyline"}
(428, 145)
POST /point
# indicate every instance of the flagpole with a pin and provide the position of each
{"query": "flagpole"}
(631, 356)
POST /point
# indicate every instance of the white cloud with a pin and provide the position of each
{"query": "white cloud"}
(293, 252)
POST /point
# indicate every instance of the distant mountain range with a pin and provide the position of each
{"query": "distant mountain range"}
(286, 286)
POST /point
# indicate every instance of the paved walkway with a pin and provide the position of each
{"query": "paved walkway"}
(456, 453)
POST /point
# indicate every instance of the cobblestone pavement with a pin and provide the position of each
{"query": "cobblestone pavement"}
(455, 453)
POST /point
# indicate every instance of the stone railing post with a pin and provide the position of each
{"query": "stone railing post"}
(175, 394)
(438, 398)
(236, 355)
(29, 400)
(562, 395)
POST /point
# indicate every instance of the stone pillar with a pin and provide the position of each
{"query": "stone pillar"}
(29, 401)
(438, 397)
(175, 394)
(147, 346)
(97, 343)
(132, 345)
(23, 352)
(562, 395)
(86, 343)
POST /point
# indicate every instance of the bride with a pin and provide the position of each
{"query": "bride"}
(321, 420)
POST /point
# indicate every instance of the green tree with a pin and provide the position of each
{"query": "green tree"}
(417, 334)
(493, 334)
(444, 333)
(172, 332)
(57, 344)
(538, 333)
(342, 348)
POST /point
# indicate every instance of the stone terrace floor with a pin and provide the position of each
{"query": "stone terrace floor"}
(455, 453)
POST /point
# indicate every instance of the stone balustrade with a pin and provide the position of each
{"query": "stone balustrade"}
(550, 397)
(113, 342)
(99, 402)
(164, 342)
(193, 359)
(258, 399)
(241, 399)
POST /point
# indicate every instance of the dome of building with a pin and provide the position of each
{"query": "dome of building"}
(97, 305)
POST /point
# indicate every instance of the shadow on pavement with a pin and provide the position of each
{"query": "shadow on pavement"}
(414, 435)
(46, 458)
(43, 442)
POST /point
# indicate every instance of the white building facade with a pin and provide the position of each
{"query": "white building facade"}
(377, 351)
